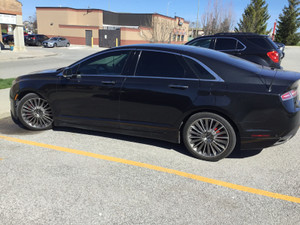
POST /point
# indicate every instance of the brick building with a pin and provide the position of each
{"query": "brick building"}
(11, 15)
(109, 29)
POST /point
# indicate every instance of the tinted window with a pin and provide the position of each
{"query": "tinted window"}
(260, 42)
(240, 46)
(196, 70)
(108, 64)
(226, 44)
(204, 43)
(159, 64)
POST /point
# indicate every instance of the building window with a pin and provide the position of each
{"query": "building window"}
(178, 37)
(182, 37)
(174, 37)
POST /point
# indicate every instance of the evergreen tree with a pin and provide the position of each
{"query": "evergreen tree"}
(255, 18)
(289, 22)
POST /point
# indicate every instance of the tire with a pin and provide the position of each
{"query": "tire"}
(55, 45)
(209, 136)
(68, 45)
(35, 112)
(38, 43)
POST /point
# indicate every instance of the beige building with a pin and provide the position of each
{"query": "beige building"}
(11, 15)
(109, 29)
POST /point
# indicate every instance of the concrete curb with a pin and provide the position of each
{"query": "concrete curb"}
(5, 104)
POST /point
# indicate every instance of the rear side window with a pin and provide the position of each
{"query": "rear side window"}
(260, 42)
(204, 43)
(226, 44)
(159, 64)
(197, 70)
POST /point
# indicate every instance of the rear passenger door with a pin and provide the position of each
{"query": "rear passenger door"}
(156, 93)
(230, 46)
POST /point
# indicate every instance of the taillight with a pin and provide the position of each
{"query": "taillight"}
(33, 38)
(274, 56)
(289, 95)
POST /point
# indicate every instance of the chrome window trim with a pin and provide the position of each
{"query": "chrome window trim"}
(229, 49)
(102, 53)
(217, 77)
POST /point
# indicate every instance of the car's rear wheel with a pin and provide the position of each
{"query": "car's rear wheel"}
(35, 112)
(209, 136)
(68, 45)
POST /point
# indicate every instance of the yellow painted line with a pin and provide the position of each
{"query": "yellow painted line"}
(158, 168)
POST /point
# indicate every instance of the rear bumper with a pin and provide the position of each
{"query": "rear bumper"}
(282, 130)
(265, 142)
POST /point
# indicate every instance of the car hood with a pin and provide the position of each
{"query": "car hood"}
(41, 74)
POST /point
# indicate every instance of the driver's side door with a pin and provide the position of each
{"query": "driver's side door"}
(90, 95)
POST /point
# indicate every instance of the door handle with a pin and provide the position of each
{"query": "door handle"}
(108, 82)
(175, 86)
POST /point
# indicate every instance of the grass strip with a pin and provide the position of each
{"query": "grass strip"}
(6, 83)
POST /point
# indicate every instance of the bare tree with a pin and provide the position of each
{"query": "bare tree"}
(158, 29)
(217, 17)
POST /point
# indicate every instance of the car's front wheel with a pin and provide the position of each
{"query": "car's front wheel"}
(35, 112)
(209, 136)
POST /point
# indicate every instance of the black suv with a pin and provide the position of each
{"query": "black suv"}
(256, 48)
(35, 39)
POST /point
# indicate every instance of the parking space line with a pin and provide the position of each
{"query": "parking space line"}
(158, 168)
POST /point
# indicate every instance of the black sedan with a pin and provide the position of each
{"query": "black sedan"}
(211, 101)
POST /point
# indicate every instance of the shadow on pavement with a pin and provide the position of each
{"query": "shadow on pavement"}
(8, 127)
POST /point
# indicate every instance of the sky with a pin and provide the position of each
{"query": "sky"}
(182, 8)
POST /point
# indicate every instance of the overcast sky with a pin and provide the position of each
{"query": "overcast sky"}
(183, 8)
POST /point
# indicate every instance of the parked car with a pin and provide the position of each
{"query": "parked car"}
(35, 39)
(7, 38)
(256, 48)
(209, 100)
(56, 42)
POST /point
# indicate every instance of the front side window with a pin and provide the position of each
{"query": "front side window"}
(204, 43)
(159, 64)
(225, 44)
(106, 64)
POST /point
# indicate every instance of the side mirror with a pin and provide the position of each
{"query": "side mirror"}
(67, 73)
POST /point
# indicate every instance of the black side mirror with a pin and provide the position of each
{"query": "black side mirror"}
(67, 73)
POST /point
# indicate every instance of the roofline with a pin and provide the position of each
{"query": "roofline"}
(102, 10)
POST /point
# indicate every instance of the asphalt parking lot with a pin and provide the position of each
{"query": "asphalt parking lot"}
(72, 176)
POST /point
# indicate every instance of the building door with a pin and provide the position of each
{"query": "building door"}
(88, 37)
(109, 38)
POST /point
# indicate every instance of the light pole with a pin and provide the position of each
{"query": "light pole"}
(197, 18)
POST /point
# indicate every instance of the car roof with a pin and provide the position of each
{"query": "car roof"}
(195, 52)
(233, 35)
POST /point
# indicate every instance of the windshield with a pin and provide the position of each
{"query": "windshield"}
(53, 39)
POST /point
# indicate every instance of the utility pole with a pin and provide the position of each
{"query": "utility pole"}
(168, 8)
(197, 18)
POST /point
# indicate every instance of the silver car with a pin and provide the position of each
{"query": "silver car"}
(56, 42)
